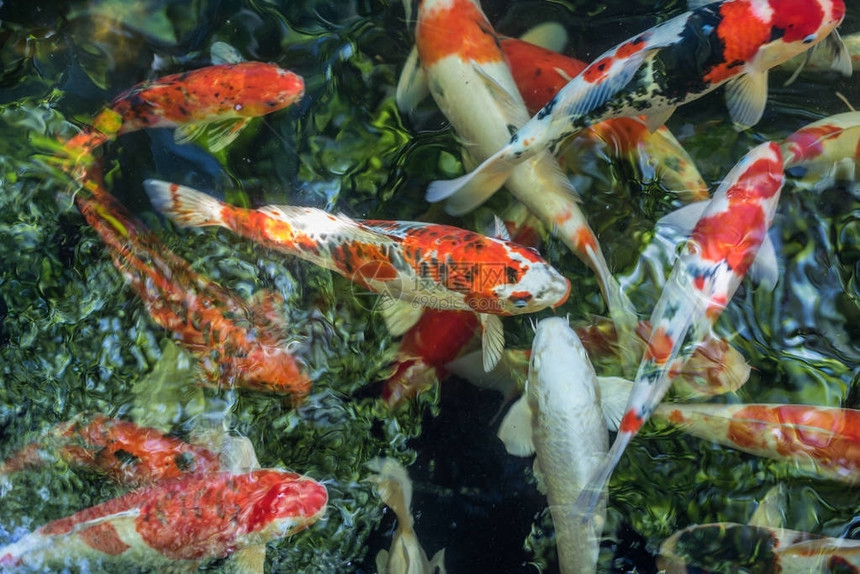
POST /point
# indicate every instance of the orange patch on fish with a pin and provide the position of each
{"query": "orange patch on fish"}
(104, 538)
(456, 29)
(598, 71)
(630, 423)
(808, 143)
(742, 35)
(659, 346)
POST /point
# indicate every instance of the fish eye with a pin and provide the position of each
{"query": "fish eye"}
(520, 304)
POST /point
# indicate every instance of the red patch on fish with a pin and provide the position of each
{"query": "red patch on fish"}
(631, 422)
(808, 143)
(799, 18)
(458, 28)
(104, 538)
(742, 34)
(539, 73)
(598, 71)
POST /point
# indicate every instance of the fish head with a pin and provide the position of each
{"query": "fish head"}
(557, 352)
(797, 25)
(530, 285)
(268, 88)
(287, 503)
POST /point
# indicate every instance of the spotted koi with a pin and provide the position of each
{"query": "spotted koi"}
(220, 99)
(733, 42)
(128, 454)
(824, 149)
(723, 245)
(238, 345)
(821, 440)
(415, 265)
(178, 522)
(469, 78)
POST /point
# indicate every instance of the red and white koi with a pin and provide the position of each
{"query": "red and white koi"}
(415, 265)
(822, 440)
(219, 99)
(238, 344)
(824, 150)
(540, 73)
(559, 419)
(406, 556)
(734, 547)
(733, 42)
(128, 454)
(722, 247)
(469, 78)
(174, 523)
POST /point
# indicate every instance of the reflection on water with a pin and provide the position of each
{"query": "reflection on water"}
(74, 338)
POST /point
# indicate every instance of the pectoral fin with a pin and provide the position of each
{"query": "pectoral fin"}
(614, 394)
(399, 316)
(515, 432)
(657, 119)
(746, 97)
(412, 87)
(492, 340)
(220, 134)
(765, 270)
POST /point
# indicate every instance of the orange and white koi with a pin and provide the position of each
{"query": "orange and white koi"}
(218, 99)
(734, 547)
(128, 454)
(822, 440)
(733, 42)
(238, 344)
(559, 419)
(540, 73)
(439, 337)
(415, 265)
(180, 522)
(723, 245)
(406, 556)
(471, 82)
(823, 150)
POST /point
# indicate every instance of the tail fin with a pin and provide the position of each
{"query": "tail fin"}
(183, 205)
(394, 487)
(469, 191)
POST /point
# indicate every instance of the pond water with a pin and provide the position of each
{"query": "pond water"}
(75, 338)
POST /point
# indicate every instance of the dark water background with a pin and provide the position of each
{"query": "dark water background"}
(74, 338)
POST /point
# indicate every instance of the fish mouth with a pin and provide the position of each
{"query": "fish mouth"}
(564, 297)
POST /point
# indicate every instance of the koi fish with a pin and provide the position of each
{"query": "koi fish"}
(823, 440)
(471, 83)
(237, 344)
(415, 265)
(178, 522)
(734, 42)
(724, 243)
(819, 61)
(825, 149)
(439, 337)
(560, 419)
(733, 547)
(406, 555)
(541, 73)
(219, 100)
(128, 454)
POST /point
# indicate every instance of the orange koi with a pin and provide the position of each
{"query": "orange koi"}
(220, 99)
(238, 345)
(724, 243)
(733, 42)
(823, 440)
(415, 265)
(126, 453)
(180, 522)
